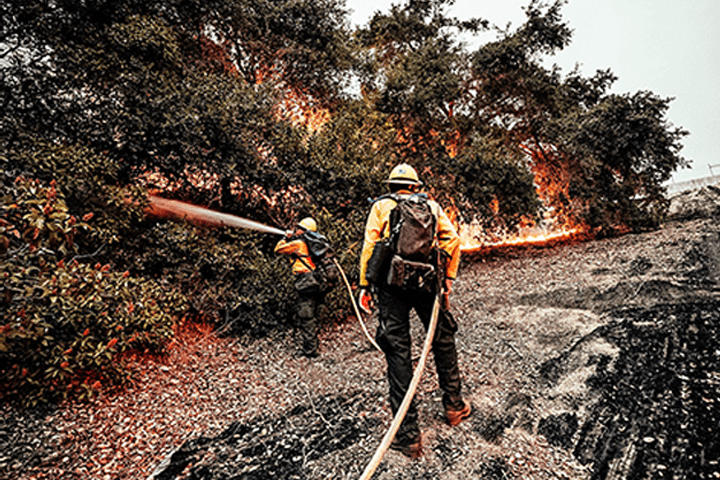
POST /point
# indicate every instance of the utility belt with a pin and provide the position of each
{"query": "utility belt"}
(387, 268)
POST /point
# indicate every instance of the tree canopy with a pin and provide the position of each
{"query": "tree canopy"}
(250, 107)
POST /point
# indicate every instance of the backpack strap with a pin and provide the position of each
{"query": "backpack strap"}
(302, 260)
(393, 196)
(302, 257)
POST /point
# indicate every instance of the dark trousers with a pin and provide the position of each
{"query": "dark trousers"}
(306, 308)
(393, 336)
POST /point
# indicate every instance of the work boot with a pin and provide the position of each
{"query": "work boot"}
(412, 449)
(454, 417)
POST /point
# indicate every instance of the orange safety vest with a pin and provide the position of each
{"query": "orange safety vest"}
(297, 249)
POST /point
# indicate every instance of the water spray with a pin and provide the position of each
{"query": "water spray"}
(164, 208)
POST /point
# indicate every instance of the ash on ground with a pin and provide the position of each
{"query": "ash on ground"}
(596, 360)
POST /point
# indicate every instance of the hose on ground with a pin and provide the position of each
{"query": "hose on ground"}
(402, 411)
(357, 310)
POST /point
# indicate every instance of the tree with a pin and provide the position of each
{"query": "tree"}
(627, 150)
(108, 100)
(417, 76)
(599, 159)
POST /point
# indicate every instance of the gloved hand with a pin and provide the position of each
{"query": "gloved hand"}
(365, 301)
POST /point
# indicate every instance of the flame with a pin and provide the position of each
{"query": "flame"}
(300, 110)
(495, 206)
(470, 242)
(295, 105)
(451, 144)
(561, 218)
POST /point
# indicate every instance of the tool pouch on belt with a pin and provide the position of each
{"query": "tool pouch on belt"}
(307, 283)
(379, 262)
(411, 275)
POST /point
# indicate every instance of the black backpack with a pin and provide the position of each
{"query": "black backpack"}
(323, 256)
(407, 257)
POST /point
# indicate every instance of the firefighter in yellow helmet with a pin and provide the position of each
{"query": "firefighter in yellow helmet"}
(308, 294)
(412, 284)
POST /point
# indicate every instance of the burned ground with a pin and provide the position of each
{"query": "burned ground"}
(595, 360)
(659, 412)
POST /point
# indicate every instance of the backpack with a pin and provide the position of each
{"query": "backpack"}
(405, 259)
(322, 254)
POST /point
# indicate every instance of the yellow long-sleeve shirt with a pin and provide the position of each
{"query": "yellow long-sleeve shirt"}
(298, 249)
(378, 227)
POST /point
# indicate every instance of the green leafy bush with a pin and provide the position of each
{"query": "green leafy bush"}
(65, 323)
(230, 277)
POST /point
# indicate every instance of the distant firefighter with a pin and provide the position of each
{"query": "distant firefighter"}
(315, 274)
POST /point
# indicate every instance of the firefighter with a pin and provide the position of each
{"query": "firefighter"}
(307, 288)
(394, 304)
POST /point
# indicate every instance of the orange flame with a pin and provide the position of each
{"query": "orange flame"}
(299, 109)
(560, 222)
(295, 105)
(526, 237)
(452, 143)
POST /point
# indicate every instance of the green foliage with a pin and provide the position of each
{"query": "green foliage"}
(65, 323)
(631, 151)
(86, 181)
(496, 181)
(230, 277)
(419, 76)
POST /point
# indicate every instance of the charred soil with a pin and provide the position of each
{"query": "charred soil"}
(594, 360)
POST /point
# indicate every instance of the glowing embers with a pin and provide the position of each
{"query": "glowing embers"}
(451, 142)
(156, 181)
(300, 110)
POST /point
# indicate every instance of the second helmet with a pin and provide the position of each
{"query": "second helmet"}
(308, 224)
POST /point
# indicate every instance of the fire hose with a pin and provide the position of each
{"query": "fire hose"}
(354, 304)
(402, 411)
(171, 208)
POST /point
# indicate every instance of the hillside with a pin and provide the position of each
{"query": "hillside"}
(585, 360)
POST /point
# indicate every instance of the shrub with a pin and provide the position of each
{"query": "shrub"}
(65, 323)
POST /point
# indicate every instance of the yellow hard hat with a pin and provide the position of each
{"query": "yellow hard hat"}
(404, 174)
(308, 224)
